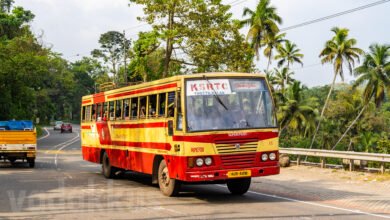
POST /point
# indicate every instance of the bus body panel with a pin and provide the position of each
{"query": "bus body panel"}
(134, 144)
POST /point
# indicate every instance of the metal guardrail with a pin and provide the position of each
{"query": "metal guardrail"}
(349, 155)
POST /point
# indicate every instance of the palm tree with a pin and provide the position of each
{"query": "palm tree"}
(289, 53)
(282, 78)
(263, 21)
(297, 113)
(374, 73)
(272, 41)
(339, 50)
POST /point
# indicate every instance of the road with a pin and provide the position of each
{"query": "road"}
(63, 186)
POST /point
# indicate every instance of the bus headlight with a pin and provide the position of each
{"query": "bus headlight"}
(264, 157)
(272, 156)
(199, 162)
(208, 161)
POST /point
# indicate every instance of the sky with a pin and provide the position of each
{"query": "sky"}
(73, 27)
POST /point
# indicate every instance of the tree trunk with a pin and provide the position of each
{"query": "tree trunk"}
(269, 61)
(350, 126)
(169, 46)
(323, 109)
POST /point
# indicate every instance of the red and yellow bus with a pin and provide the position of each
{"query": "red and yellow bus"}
(200, 128)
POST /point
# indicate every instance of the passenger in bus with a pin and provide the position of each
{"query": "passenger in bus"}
(105, 116)
(171, 109)
(142, 112)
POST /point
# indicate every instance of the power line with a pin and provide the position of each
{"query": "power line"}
(335, 15)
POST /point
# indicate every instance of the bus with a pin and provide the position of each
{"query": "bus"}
(199, 128)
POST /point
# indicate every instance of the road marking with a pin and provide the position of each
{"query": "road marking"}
(47, 135)
(66, 145)
(71, 141)
(315, 204)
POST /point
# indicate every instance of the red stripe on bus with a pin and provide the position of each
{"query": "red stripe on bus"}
(85, 127)
(211, 138)
(148, 145)
(144, 125)
(87, 101)
(167, 86)
(99, 97)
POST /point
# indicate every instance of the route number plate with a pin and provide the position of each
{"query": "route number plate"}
(239, 173)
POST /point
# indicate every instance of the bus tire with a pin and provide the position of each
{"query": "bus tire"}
(239, 186)
(108, 170)
(168, 187)
(12, 160)
(31, 163)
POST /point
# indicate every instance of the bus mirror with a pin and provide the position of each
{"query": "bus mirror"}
(170, 128)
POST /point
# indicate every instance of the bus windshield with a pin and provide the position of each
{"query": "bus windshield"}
(228, 104)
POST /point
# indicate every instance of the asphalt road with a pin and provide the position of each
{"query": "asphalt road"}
(63, 186)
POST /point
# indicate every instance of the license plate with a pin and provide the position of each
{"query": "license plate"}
(239, 173)
(30, 154)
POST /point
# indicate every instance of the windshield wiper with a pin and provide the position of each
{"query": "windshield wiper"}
(215, 94)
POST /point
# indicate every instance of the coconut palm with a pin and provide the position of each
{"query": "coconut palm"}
(289, 53)
(282, 78)
(339, 51)
(297, 112)
(272, 41)
(374, 73)
(262, 21)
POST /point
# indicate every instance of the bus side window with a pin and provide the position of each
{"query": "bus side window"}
(99, 112)
(126, 108)
(83, 113)
(179, 125)
(142, 107)
(134, 108)
(171, 103)
(105, 111)
(118, 109)
(162, 104)
(152, 106)
(111, 110)
(93, 112)
(88, 112)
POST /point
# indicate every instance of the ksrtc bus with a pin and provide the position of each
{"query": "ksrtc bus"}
(200, 128)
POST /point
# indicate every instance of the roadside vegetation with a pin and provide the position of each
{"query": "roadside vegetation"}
(201, 36)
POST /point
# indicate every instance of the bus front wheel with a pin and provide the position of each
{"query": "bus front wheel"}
(239, 186)
(169, 187)
(108, 170)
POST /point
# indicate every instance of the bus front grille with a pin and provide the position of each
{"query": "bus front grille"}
(238, 160)
(236, 147)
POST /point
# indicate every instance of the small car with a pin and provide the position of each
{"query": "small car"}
(57, 125)
(66, 127)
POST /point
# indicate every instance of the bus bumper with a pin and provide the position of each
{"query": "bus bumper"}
(218, 175)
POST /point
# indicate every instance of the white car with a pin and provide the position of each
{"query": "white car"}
(57, 125)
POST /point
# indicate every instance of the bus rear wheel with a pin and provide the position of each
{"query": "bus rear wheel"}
(31, 163)
(239, 186)
(108, 170)
(168, 187)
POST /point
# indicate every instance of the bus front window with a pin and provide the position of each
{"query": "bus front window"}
(228, 104)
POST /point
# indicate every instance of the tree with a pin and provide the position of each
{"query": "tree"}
(298, 113)
(5, 6)
(262, 21)
(13, 24)
(375, 75)
(271, 42)
(113, 46)
(339, 50)
(283, 78)
(288, 53)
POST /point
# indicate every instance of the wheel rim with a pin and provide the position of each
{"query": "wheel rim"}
(164, 178)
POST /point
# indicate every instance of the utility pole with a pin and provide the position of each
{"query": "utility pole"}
(125, 55)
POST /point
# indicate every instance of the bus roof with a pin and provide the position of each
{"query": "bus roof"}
(86, 99)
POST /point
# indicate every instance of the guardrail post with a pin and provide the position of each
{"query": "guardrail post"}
(383, 167)
(351, 165)
(322, 162)
(298, 160)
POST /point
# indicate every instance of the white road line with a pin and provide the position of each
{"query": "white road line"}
(66, 145)
(316, 204)
(47, 135)
(65, 142)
